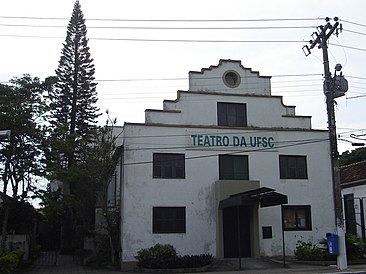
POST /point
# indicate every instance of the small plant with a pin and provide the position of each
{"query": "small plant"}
(165, 256)
(158, 256)
(10, 262)
(356, 249)
(307, 251)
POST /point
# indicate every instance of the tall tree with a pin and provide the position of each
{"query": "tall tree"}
(72, 133)
(22, 111)
(73, 101)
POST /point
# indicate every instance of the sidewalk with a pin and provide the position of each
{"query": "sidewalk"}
(67, 265)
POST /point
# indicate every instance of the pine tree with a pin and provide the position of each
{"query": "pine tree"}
(73, 101)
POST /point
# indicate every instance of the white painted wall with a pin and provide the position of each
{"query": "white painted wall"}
(170, 130)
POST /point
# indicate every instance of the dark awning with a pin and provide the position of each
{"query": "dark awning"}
(264, 196)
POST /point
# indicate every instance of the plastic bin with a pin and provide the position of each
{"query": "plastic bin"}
(332, 240)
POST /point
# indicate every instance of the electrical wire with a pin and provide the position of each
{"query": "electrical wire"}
(235, 152)
(167, 20)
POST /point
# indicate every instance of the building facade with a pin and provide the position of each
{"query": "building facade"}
(223, 169)
(353, 185)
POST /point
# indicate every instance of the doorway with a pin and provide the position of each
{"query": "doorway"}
(236, 231)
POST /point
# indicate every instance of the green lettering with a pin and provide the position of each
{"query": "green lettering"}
(194, 137)
(226, 141)
(235, 141)
(200, 140)
(270, 140)
(207, 141)
(243, 143)
(218, 141)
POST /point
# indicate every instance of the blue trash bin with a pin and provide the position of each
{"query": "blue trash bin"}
(332, 240)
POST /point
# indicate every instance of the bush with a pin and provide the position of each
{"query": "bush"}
(190, 261)
(158, 256)
(10, 262)
(356, 249)
(307, 251)
(165, 256)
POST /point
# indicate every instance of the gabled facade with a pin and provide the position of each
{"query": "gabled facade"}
(224, 161)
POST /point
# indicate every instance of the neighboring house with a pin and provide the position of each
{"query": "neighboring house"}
(353, 185)
(218, 164)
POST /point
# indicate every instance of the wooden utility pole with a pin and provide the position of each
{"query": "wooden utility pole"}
(329, 91)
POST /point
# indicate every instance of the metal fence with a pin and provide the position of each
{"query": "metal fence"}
(354, 214)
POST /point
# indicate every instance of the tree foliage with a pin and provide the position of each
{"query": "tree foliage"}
(22, 111)
(353, 156)
(73, 114)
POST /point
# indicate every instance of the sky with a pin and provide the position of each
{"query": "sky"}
(143, 50)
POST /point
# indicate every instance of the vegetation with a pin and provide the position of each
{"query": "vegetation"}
(165, 257)
(22, 110)
(307, 251)
(73, 112)
(54, 134)
(354, 156)
(9, 262)
(73, 136)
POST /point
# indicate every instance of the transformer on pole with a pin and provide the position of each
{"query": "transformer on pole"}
(333, 87)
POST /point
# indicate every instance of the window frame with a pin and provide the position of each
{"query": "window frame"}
(228, 161)
(296, 209)
(173, 161)
(232, 114)
(293, 167)
(173, 223)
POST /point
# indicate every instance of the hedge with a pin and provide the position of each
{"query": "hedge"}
(10, 262)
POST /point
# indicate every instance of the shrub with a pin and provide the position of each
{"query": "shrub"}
(307, 251)
(10, 262)
(189, 261)
(356, 249)
(158, 256)
(165, 256)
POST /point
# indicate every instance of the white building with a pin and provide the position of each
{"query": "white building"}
(185, 173)
(353, 184)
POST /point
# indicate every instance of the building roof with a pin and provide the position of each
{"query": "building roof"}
(353, 174)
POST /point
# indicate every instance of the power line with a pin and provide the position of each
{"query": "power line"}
(159, 40)
(347, 47)
(167, 20)
(236, 152)
(164, 28)
(353, 23)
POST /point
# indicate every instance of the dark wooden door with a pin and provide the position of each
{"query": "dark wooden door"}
(236, 225)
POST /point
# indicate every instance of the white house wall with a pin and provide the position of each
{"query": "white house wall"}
(201, 109)
(196, 192)
(180, 128)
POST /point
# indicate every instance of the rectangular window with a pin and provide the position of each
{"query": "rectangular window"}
(293, 167)
(232, 114)
(168, 165)
(169, 220)
(233, 167)
(296, 217)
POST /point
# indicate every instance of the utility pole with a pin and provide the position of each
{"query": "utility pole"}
(333, 88)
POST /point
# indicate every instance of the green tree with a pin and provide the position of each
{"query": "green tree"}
(353, 156)
(22, 111)
(73, 130)
(74, 113)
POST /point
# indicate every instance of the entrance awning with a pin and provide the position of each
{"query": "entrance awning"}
(264, 196)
